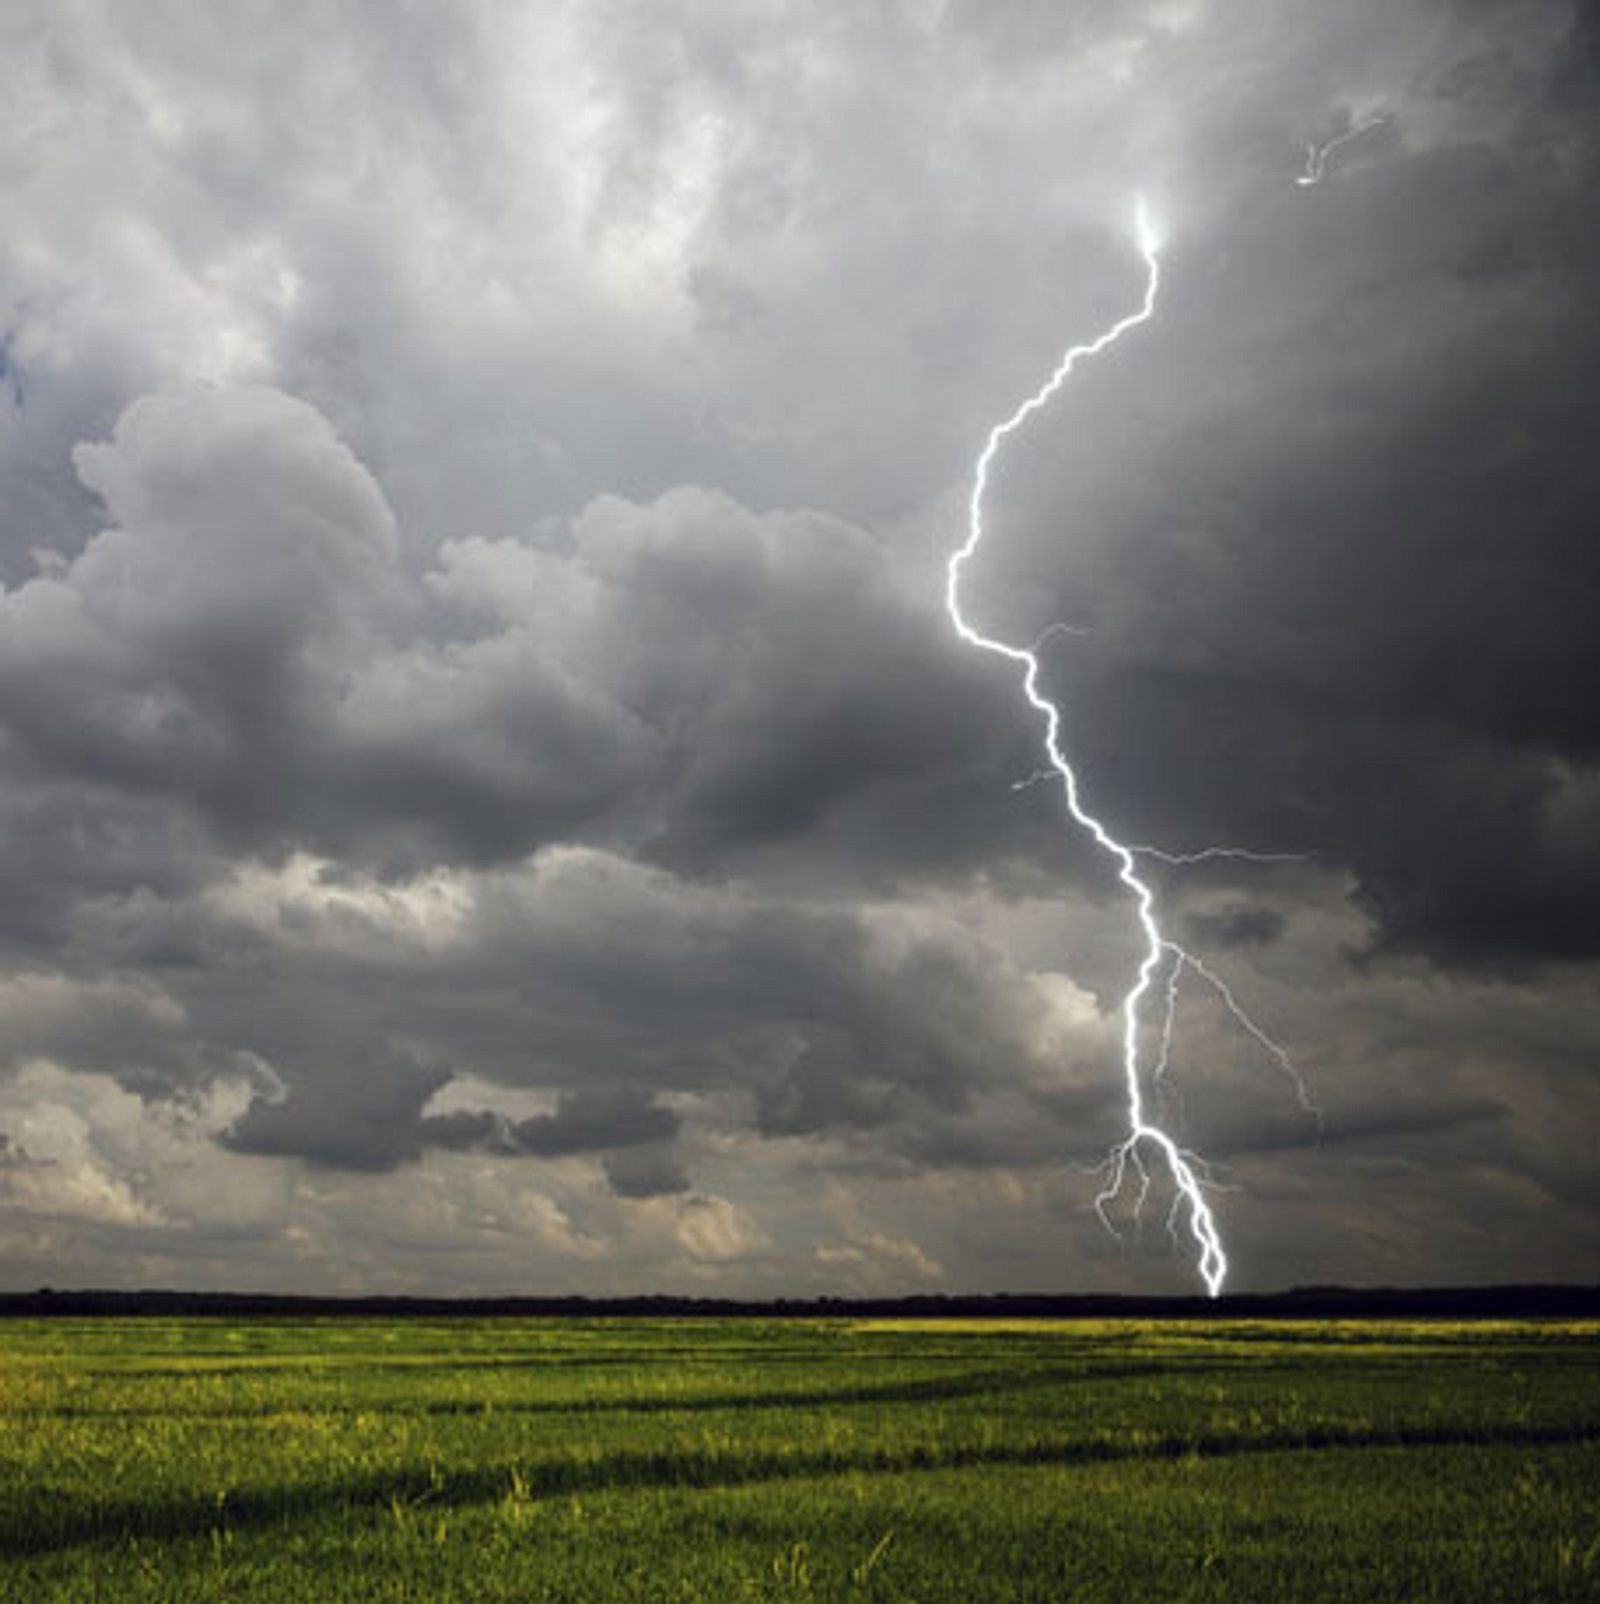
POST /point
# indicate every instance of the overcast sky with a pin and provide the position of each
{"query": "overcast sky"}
(490, 799)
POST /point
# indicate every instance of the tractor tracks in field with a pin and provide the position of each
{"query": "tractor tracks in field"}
(49, 1524)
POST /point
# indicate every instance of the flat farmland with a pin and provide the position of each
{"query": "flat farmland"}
(712, 1460)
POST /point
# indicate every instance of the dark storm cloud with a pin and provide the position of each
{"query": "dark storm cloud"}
(126, 1026)
(359, 1111)
(586, 1122)
(1349, 609)
(594, 972)
(243, 641)
(471, 638)
(651, 1169)
(1350, 566)
(1237, 926)
(1402, 1124)
(1405, 641)
(633, 1136)
(589, 976)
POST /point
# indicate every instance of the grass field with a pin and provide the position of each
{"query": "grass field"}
(730, 1461)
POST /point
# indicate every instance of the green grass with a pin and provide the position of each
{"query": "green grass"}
(743, 1460)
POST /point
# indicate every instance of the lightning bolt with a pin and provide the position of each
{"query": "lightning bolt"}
(1188, 1172)
(1317, 155)
(1209, 854)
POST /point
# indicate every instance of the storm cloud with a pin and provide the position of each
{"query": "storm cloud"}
(488, 792)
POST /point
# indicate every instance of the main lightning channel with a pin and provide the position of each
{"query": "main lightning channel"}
(1184, 1168)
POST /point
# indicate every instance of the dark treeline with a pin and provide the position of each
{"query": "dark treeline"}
(1446, 1303)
